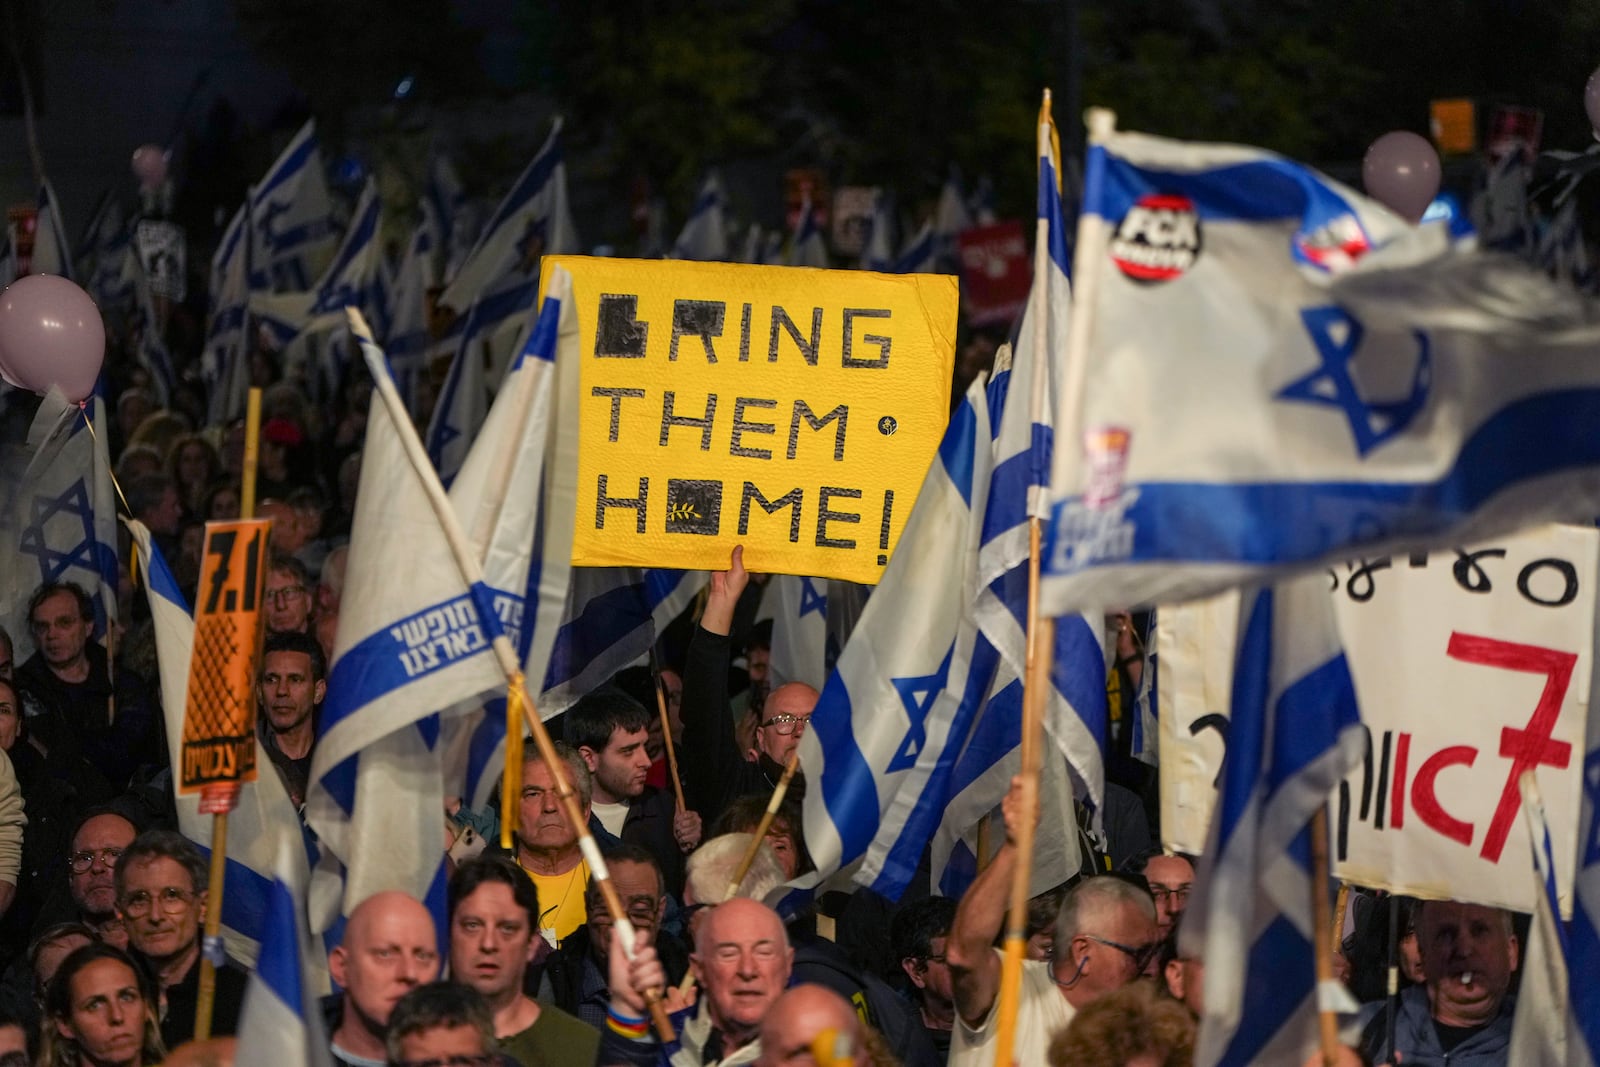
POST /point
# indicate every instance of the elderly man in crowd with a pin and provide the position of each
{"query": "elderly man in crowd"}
(389, 949)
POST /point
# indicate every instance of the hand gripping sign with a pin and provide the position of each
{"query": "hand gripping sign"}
(219, 719)
(792, 411)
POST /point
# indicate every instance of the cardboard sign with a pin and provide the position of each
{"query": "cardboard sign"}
(1193, 649)
(995, 271)
(852, 218)
(793, 411)
(164, 255)
(1454, 124)
(219, 719)
(1471, 666)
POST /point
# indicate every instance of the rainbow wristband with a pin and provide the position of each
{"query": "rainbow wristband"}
(626, 1025)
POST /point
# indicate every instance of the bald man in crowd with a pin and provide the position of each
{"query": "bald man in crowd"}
(804, 1016)
(715, 771)
(389, 949)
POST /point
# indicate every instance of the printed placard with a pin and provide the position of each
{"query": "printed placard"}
(793, 411)
(219, 718)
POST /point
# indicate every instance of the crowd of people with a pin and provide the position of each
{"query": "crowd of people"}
(102, 901)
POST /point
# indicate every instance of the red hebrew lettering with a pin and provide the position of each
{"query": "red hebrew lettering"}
(1397, 801)
(1530, 747)
(1425, 802)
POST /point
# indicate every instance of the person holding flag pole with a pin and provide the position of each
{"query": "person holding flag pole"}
(471, 574)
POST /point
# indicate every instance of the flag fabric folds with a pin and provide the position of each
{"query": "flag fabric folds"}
(1295, 733)
(1540, 1032)
(225, 364)
(462, 404)
(798, 608)
(705, 234)
(412, 640)
(61, 521)
(264, 815)
(1383, 387)
(291, 218)
(281, 1022)
(406, 341)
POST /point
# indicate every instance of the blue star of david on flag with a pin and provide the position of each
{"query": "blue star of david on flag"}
(85, 552)
(811, 600)
(1337, 335)
(918, 695)
(1591, 789)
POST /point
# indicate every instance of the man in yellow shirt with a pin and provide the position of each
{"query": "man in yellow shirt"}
(547, 844)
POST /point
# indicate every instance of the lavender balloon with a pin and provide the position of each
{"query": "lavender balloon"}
(1591, 102)
(50, 334)
(1401, 171)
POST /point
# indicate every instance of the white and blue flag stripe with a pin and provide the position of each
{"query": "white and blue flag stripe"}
(1383, 386)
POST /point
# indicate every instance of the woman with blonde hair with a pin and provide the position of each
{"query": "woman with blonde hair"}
(100, 1011)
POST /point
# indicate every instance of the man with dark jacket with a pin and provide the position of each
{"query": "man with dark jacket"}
(715, 772)
(610, 729)
(72, 705)
(1461, 1014)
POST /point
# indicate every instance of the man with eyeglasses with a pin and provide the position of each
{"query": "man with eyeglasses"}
(287, 597)
(442, 1024)
(494, 916)
(715, 772)
(918, 938)
(1171, 877)
(1105, 937)
(574, 977)
(102, 835)
(161, 897)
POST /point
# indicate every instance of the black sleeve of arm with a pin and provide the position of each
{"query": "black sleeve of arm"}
(709, 755)
(618, 1051)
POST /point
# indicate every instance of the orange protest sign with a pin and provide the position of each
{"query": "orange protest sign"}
(219, 719)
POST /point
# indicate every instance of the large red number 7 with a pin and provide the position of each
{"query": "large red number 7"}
(1532, 746)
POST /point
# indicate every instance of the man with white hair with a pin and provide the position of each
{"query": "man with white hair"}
(1105, 935)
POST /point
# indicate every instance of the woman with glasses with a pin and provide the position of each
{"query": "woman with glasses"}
(100, 1012)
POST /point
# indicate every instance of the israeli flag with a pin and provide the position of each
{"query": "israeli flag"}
(462, 405)
(407, 340)
(1281, 373)
(951, 217)
(105, 242)
(264, 816)
(61, 523)
(413, 639)
(612, 618)
(1540, 1031)
(762, 247)
(225, 363)
(516, 496)
(151, 352)
(281, 1022)
(52, 252)
(798, 609)
(291, 218)
(921, 253)
(500, 279)
(878, 253)
(705, 234)
(1583, 944)
(1296, 732)
(445, 199)
(1019, 399)
(806, 246)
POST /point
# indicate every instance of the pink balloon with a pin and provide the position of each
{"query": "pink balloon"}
(1401, 171)
(150, 165)
(1591, 101)
(50, 334)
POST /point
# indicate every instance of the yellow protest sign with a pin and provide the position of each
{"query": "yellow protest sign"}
(790, 410)
(219, 719)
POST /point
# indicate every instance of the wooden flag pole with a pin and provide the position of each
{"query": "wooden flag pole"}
(212, 954)
(1321, 924)
(472, 575)
(666, 729)
(760, 835)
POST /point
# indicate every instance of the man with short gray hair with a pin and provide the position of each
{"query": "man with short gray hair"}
(547, 843)
(1105, 935)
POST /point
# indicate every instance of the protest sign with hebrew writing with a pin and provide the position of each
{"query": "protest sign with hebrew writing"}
(1471, 667)
(219, 721)
(792, 411)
